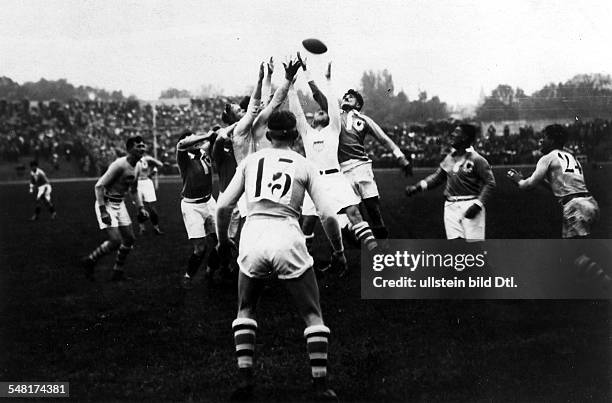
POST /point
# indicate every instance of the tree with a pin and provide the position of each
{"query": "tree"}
(174, 93)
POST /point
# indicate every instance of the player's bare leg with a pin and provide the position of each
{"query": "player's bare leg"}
(127, 243)
(245, 328)
(305, 293)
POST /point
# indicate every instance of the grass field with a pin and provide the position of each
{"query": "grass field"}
(150, 340)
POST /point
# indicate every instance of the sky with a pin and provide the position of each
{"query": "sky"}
(453, 49)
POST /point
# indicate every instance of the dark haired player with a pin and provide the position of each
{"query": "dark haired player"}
(40, 183)
(561, 172)
(197, 204)
(274, 181)
(321, 148)
(469, 183)
(111, 211)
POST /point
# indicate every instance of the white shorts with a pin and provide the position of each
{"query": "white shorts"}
(146, 190)
(579, 215)
(338, 192)
(457, 226)
(199, 218)
(361, 179)
(234, 225)
(118, 213)
(44, 191)
(242, 206)
(271, 246)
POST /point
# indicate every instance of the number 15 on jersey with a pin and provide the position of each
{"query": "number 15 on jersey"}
(273, 180)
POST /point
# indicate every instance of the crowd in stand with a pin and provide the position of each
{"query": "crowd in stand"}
(93, 133)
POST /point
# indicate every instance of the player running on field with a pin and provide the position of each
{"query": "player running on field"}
(146, 168)
(40, 183)
(111, 211)
(469, 184)
(560, 171)
(197, 204)
(274, 181)
(321, 148)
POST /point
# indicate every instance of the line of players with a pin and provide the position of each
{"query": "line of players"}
(263, 181)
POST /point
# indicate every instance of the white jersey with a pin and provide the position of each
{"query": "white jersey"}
(321, 147)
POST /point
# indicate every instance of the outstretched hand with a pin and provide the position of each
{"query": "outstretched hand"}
(261, 71)
(291, 68)
(270, 66)
(328, 71)
(514, 175)
(302, 61)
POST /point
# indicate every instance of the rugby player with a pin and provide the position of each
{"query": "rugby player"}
(40, 183)
(111, 211)
(274, 181)
(197, 204)
(321, 148)
(353, 157)
(560, 172)
(469, 184)
(146, 168)
(248, 128)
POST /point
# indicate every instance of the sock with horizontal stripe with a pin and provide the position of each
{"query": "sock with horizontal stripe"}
(104, 249)
(244, 339)
(317, 339)
(363, 232)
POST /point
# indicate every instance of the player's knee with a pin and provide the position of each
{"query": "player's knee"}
(113, 244)
(353, 214)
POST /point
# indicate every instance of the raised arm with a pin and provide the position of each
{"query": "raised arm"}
(298, 111)
(267, 84)
(279, 96)
(244, 124)
(154, 161)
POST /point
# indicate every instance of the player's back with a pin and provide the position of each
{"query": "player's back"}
(565, 173)
(275, 182)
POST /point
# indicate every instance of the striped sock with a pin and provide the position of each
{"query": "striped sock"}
(363, 232)
(124, 250)
(105, 248)
(317, 337)
(244, 339)
(592, 270)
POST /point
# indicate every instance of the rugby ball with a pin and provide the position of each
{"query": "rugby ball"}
(314, 46)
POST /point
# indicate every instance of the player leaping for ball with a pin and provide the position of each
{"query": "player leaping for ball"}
(40, 184)
(353, 157)
(111, 211)
(247, 129)
(321, 147)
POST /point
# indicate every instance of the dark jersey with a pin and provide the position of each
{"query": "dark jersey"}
(352, 136)
(196, 173)
(225, 162)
